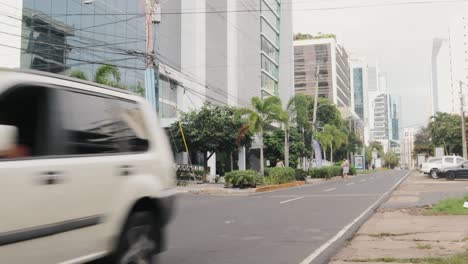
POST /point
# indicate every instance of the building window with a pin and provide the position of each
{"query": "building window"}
(268, 84)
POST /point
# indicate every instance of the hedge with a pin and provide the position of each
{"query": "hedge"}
(241, 179)
(279, 175)
(328, 172)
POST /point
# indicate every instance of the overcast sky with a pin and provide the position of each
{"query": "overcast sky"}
(398, 37)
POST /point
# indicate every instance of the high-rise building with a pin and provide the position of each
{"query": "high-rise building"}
(380, 130)
(441, 89)
(323, 64)
(407, 147)
(458, 46)
(394, 117)
(359, 87)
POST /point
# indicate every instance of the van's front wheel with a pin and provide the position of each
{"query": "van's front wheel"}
(139, 240)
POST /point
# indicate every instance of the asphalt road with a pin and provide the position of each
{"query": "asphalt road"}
(286, 226)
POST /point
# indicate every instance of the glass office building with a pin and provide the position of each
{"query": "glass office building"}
(63, 35)
(358, 92)
(270, 45)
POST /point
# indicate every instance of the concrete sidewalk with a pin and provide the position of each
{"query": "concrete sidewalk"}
(399, 230)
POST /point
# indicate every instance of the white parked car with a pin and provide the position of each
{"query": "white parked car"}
(85, 172)
(434, 164)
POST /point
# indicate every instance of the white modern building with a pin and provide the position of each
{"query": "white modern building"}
(407, 147)
(323, 64)
(458, 52)
(226, 57)
(441, 88)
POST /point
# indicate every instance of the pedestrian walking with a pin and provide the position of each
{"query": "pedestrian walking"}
(279, 163)
(345, 167)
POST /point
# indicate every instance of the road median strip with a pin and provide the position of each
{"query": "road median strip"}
(279, 186)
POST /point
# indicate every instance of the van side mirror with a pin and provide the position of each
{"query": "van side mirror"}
(8, 137)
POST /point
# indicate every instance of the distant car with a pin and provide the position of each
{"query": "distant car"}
(433, 165)
(430, 167)
(452, 173)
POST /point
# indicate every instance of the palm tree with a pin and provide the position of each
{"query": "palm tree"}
(262, 114)
(105, 74)
(299, 109)
(79, 74)
(325, 139)
(339, 138)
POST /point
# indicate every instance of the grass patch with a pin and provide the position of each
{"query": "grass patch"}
(456, 259)
(465, 239)
(451, 206)
(423, 246)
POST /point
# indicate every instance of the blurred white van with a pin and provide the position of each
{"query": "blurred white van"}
(85, 172)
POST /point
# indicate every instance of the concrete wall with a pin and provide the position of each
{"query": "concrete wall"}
(11, 56)
(169, 37)
(286, 61)
(216, 50)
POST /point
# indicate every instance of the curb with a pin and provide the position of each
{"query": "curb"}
(326, 252)
(269, 188)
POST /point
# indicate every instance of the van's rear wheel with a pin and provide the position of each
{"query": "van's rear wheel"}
(139, 240)
(433, 174)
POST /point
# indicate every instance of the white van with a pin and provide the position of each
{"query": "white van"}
(85, 172)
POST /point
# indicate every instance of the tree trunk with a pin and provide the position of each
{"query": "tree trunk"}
(286, 147)
(331, 153)
(324, 154)
(262, 167)
(232, 162)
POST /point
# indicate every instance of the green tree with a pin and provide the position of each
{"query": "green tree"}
(210, 129)
(139, 89)
(423, 143)
(391, 159)
(300, 36)
(325, 139)
(105, 74)
(339, 139)
(445, 130)
(262, 114)
(300, 113)
(274, 148)
(377, 146)
(79, 74)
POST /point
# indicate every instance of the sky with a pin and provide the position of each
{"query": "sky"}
(398, 37)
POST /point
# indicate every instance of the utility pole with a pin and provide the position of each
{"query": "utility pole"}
(465, 155)
(153, 17)
(314, 118)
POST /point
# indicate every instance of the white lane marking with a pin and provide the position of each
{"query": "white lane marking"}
(349, 184)
(341, 233)
(329, 189)
(363, 180)
(326, 195)
(85, 258)
(290, 200)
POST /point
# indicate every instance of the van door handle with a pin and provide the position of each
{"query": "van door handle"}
(125, 170)
(51, 178)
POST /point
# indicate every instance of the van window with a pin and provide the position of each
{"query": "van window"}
(449, 160)
(27, 108)
(460, 160)
(101, 125)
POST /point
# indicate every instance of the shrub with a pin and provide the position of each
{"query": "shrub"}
(301, 175)
(279, 175)
(352, 171)
(241, 179)
(325, 172)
